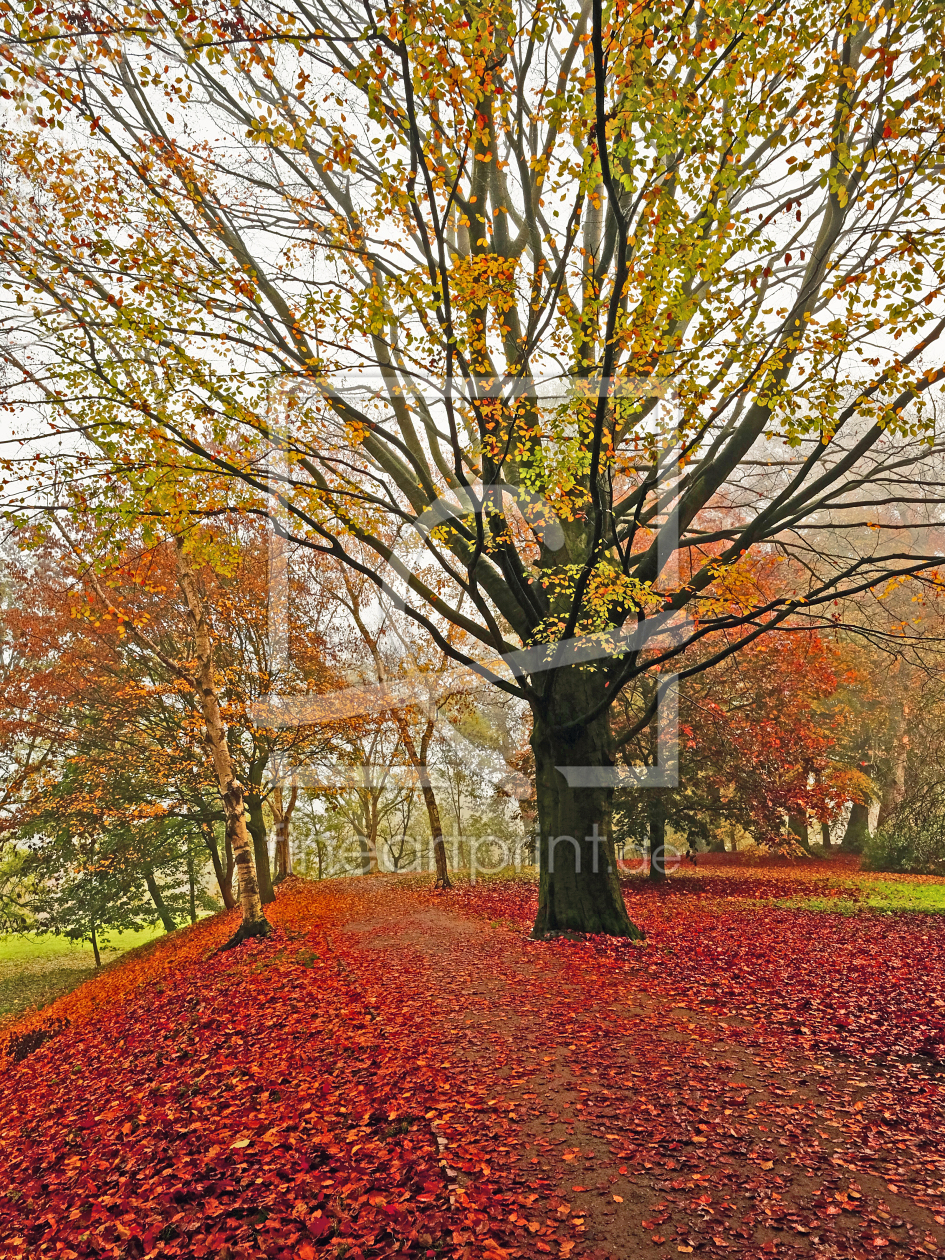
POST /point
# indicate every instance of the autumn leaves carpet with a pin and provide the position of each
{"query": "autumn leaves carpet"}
(403, 1073)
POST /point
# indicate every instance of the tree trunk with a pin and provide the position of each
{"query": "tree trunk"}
(191, 887)
(259, 832)
(368, 847)
(94, 939)
(894, 785)
(224, 876)
(857, 830)
(159, 902)
(578, 886)
(282, 818)
(797, 825)
(254, 922)
(419, 762)
(439, 844)
(656, 817)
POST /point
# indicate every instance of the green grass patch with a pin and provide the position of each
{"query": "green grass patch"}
(878, 896)
(35, 970)
(900, 896)
(16, 949)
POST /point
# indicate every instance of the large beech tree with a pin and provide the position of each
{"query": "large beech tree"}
(711, 230)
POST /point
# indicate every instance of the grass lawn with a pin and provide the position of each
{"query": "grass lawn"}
(884, 896)
(927, 898)
(35, 970)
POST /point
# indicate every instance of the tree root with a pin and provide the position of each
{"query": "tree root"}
(636, 937)
(245, 931)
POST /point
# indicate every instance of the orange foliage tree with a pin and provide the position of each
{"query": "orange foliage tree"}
(106, 684)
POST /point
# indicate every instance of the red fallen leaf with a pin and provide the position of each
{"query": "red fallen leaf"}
(580, 1189)
(733, 960)
(306, 1252)
(658, 1238)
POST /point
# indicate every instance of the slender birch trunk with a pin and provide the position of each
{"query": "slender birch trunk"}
(254, 922)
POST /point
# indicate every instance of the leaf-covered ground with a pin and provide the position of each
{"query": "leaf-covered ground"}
(401, 1073)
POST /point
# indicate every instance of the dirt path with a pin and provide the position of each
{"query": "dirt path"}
(653, 1130)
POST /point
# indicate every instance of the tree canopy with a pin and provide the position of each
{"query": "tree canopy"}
(554, 313)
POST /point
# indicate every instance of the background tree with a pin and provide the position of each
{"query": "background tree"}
(762, 742)
(117, 702)
(88, 881)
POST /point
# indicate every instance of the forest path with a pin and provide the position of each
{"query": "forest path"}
(398, 1072)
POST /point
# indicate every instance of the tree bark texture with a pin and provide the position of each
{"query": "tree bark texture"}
(857, 830)
(254, 919)
(282, 818)
(656, 819)
(578, 885)
(259, 831)
(419, 761)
